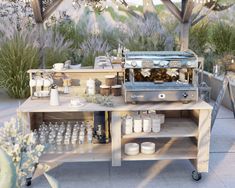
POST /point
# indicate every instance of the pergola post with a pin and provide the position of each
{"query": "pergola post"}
(186, 12)
(183, 16)
(184, 36)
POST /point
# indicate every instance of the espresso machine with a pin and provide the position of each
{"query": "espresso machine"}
(154, 76)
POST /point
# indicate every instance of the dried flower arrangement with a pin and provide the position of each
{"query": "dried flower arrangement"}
(99, 99)
(22, 149)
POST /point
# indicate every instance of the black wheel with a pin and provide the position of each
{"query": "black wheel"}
(196, 176)
(28, 181)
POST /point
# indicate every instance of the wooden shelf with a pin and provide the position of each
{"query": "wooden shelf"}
(173, 127)
(83, 153)
(171, 149)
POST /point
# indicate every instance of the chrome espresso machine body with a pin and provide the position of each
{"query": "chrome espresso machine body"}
(160, 76)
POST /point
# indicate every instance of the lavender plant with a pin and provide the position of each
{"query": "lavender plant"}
(56, 48)
(93, 46)
(144, 35)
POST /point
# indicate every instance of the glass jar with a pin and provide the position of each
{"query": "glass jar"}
(89, 134)
(81, 137)
(156, 124)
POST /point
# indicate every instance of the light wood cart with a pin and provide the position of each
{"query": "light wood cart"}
(184, 135)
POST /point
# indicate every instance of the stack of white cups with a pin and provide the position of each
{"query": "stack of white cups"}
(90, 87)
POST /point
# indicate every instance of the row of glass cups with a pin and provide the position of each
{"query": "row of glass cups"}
(142, 123)
(65, 136)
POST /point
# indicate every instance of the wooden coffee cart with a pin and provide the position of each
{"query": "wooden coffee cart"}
(184, 135)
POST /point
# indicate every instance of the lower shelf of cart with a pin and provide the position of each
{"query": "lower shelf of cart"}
(167, 149)
(82, 153)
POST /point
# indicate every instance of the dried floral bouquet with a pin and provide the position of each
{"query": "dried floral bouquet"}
(22, 149)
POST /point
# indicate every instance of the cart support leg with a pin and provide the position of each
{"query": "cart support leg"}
(116, 138)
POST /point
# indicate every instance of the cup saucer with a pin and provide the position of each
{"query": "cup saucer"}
(77, 105)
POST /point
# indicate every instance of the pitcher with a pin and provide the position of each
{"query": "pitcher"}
(54, 96)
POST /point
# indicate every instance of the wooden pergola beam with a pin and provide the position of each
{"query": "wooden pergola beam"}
(173, 9)
(187, 9)
(37, 10)
(37, 7)
(51, 8)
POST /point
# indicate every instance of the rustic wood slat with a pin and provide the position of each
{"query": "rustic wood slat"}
(116, 138)
(119, 105)
(83, 153)
(173, 9)
(37, 11)
(203, 143)
(187, 10)
(51, 8)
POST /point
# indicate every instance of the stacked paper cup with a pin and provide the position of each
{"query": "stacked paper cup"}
(137, 124)
(127, 127)
(157, 120)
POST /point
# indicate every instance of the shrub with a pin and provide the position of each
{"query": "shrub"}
(93, 46)
(223, 38)
(56, 48)
(144, 35)
(17, 55)
(198, 38)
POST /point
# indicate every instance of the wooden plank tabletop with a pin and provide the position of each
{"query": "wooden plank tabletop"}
(42, 105)
(76, 70)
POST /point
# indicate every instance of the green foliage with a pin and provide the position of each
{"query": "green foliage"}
(146, 43)
(99, 99)
(56, 49)
(76, 33)
(223, 38)
(115, 16)
(198, 38)
(16, 57)
(53, 56)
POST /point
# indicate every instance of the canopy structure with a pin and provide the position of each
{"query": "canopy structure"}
(44, 8)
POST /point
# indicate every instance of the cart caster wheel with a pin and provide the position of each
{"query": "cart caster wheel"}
(196, 176)
(28, 182)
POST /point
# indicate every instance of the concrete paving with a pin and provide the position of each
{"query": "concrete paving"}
(147, 174)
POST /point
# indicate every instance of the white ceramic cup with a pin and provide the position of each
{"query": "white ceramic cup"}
(46, 82)
(137, 125)
(58, 66)
(128, 125)
(147, 124)
(39, 82)
(32, 83)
